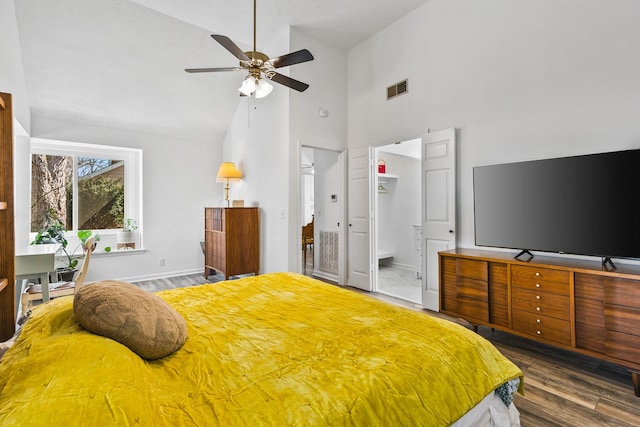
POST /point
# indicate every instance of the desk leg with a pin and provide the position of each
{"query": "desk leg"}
(44, 280)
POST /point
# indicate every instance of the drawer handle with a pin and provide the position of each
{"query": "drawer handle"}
(537, 296)
(539, 332)
(538, 321)
(538, 309)
(537, 285)
(537, 274)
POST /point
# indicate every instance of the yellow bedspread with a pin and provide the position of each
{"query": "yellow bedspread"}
(272, 350)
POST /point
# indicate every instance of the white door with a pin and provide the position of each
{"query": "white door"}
(438, 209)
(359, 218)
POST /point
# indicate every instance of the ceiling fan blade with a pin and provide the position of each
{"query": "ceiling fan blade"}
(231, 47)
(211, 70)
(288, 81)
(292, 58)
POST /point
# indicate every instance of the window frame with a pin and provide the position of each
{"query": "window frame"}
(132, 158)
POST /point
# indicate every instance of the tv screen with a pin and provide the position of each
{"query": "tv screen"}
(586, 205)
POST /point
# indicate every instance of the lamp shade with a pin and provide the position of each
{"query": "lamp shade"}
(263, 89)
(248, 86)
(228, 171)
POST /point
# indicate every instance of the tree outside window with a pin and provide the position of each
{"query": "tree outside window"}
(92, 188)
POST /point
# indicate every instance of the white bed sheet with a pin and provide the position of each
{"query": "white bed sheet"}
(490, 412)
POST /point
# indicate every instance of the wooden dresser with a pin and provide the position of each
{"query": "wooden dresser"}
(7, 241)
(231, 241)
(573, 304)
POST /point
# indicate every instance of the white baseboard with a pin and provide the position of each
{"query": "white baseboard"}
(325, 275)
(164, 275)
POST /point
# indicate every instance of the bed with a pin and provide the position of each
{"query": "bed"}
(271, 350)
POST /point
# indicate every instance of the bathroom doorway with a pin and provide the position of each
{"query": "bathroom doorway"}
(397, 220)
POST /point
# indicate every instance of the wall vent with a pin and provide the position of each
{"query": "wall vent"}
(328, 254)
(397, 89)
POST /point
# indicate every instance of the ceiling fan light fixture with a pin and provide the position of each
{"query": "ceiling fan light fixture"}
(248, 86)
(263, 89)
(259, 66)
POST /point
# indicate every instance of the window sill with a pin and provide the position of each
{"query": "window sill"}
(121, 252)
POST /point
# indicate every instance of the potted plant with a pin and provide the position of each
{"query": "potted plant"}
(128, 235)
(54, 232)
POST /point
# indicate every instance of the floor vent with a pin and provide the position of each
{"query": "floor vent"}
(328, 251)
(397, 89)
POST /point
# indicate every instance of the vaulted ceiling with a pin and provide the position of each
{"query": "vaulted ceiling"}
(120, 63)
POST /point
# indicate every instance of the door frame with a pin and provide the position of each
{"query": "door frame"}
(373, 284)
(375, 220)
(295, 203)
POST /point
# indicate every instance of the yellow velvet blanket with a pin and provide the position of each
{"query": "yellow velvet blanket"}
(273, 350)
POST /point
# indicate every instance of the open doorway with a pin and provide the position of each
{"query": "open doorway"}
(398, 227)
(322, 211)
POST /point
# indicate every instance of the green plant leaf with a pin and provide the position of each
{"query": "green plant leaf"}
(83, 235)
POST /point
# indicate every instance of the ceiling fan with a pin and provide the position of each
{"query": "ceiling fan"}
(259, 66)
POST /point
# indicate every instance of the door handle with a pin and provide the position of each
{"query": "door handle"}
(451, 231)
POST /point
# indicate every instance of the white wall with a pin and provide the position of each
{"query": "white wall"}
(399, 209)
(258, 142)
(519, 79)
(265, 140)
(327, 79)
(178, 182)
(11, 71)
(179, 177)
(21, 184)
(327, 182)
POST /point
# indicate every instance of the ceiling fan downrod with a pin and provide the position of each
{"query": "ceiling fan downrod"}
(254, 29)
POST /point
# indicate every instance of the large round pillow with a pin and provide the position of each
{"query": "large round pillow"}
(132, 316)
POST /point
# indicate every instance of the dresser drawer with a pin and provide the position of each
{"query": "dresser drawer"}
(448, 293)
(498, 293)
(473, 309)
(499, 315)
(471, 288)
(623, 346)
(590, 337)
(448, 266)
(540, 278)
(546, 274)
(543, 327)
(498, 273)
(472, 269)
(622, 319)
(622, 292)
(590, 312)
(589, 286)
(541, 303)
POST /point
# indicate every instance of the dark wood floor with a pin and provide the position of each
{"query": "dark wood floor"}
(562, 389)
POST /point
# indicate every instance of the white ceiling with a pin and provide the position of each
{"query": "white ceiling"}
(120, 63)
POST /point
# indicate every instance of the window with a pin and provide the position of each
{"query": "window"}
(84, 186)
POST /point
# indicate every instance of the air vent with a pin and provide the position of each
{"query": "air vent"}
(397, 89)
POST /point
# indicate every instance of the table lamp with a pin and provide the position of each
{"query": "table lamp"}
(227, 173)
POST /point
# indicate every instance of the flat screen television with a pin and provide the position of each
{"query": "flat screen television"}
(584, 205)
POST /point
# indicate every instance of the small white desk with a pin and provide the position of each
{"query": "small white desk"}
(36, 260)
